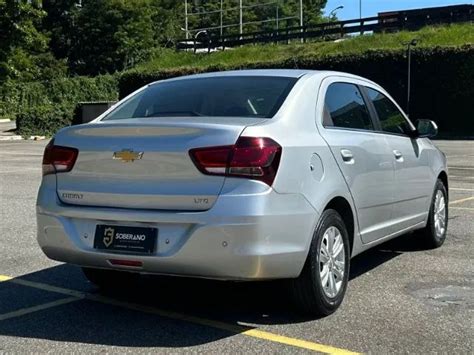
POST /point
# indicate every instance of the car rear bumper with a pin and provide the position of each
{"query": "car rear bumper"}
(242, 237)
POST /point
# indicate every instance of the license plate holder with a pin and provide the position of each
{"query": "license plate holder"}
(126, 239)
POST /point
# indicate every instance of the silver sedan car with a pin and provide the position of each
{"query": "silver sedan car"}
(243, 175)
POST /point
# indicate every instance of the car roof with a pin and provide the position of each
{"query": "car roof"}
(288, 73)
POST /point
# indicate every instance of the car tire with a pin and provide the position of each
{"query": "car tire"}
(313, 291)
(106, 279)
(436, 228)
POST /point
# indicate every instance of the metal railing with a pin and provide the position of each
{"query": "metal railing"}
(385, 22)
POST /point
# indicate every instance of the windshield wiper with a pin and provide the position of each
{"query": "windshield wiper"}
(173, 113)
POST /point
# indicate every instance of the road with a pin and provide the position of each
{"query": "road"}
(401, 297)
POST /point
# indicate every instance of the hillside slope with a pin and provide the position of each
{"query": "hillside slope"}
(169, 60)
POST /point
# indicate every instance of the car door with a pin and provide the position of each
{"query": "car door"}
(411, 162)
(363, 156)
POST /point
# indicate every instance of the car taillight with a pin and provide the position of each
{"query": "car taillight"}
(251, 157)
(57, 159)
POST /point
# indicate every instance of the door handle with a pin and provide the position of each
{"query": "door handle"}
(398, 154)
(347, 156)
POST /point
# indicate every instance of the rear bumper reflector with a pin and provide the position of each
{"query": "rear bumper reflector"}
(132, 263)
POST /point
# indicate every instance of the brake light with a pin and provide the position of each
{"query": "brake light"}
(57, 159)
(256, 158)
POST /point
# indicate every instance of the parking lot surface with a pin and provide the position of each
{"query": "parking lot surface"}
(401, 297)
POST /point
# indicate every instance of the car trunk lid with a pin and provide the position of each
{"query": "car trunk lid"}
(145, 163)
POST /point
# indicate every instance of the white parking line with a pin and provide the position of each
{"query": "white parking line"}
(462, 208)
(461, 200)
(27, 310)
(22, 170)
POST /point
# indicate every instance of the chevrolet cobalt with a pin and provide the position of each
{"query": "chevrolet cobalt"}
(244, 175)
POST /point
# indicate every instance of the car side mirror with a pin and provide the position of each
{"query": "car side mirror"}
(426, 128)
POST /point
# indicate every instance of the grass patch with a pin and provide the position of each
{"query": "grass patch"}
(440, 36)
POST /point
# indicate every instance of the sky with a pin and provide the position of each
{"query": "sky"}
(372, 7)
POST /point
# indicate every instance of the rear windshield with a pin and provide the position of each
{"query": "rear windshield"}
(231, 96)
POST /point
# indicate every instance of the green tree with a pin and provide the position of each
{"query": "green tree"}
(59, 24)
(168, 19)
(104, 36)
(111, 35)
(20, 38)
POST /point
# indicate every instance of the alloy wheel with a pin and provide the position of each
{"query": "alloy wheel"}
(332, 261)
(439, 214)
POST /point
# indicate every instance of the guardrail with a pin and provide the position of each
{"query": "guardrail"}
(385, 22)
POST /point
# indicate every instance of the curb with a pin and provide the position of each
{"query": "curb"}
(17, 138)
(11, 138)
(4, 120)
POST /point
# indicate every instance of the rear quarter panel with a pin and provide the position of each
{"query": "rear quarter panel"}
(307, 166)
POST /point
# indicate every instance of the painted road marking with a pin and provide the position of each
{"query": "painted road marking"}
(459, 168)
(232, 328)
(296, 342)
(462, 208)
(45, 287)
(460, 189)
(461, 200)
(19, 170)
(23, 311)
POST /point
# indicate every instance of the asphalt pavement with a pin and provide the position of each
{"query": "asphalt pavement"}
(401, 297)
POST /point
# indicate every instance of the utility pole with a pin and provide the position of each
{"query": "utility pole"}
(360, 17)
(301, 18)
(240, 17)
(221, 17)
(186, 18)
(277, 16)
(410, 44)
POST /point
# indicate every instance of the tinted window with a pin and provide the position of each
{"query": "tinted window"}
(345, 107)
(229, 96)
(391, 119)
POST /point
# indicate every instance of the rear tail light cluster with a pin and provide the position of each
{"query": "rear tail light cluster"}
(57, 159)
(251, 157)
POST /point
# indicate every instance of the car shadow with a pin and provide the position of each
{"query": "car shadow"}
(372, 258)
(235, 303)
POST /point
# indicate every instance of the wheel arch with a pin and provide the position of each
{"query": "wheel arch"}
(443, 176)
(343, 207)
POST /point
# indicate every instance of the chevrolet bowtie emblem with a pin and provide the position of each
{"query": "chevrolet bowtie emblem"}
(127, 155)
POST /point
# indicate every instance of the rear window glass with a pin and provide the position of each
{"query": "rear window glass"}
(231, 96)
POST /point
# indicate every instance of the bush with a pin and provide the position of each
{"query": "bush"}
(43, 119)
(442, 89)
(44, 107)
(9, 100)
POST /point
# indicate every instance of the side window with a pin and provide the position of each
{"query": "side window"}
(345, 108)
(391, 119)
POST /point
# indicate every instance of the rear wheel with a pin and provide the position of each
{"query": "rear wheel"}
(110, 278)
(435, 231)
(320, 288)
